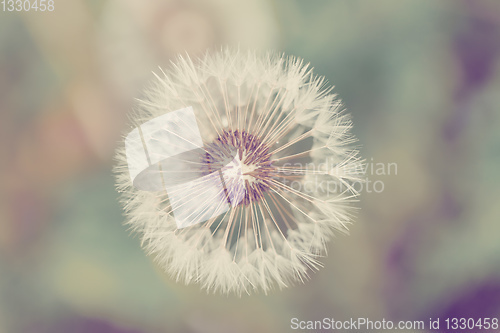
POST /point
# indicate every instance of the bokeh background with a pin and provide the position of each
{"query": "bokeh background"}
(421, 79)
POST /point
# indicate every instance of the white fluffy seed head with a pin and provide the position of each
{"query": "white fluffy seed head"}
(276, 235)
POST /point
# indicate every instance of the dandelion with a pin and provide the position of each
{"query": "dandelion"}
(218, 174)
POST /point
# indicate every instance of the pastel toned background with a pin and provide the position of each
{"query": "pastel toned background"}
(421, 79)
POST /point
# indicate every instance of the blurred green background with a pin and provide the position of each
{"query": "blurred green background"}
(420, 78)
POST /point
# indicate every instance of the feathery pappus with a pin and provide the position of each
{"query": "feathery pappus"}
(228, 172)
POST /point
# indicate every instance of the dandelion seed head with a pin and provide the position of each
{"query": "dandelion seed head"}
(264, 120)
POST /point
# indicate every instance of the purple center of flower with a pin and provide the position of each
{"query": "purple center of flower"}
(245, 162)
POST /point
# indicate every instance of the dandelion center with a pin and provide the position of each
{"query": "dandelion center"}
(246, 162)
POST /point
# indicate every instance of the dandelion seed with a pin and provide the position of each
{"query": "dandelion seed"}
(216, 175)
